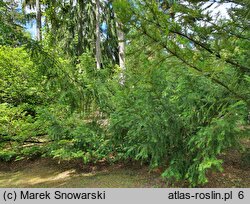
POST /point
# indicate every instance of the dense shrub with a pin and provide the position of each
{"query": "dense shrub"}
(74, 136)
(177, 120)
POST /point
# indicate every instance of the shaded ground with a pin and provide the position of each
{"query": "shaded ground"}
(46, 173)
(49, 173)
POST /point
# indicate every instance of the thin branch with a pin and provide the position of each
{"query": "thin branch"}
(193, 66)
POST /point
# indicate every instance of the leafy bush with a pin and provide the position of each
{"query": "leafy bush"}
(16, 123)
(7, 155)
(20, 81)
(74, 136)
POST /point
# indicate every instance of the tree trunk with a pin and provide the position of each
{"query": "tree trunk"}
(80, 28)
(121, 50)
(98, 36)
(38, 21)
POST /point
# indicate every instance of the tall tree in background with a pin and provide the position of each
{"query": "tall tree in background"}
(34, 4)
(38, 21)
(83, 26)
(119, 16)
(98, 35)
(121, 48)
(11, 30)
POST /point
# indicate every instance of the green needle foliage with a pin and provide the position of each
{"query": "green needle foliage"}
(184, 102)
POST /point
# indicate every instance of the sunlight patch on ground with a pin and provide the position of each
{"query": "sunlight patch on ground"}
(44, 175)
